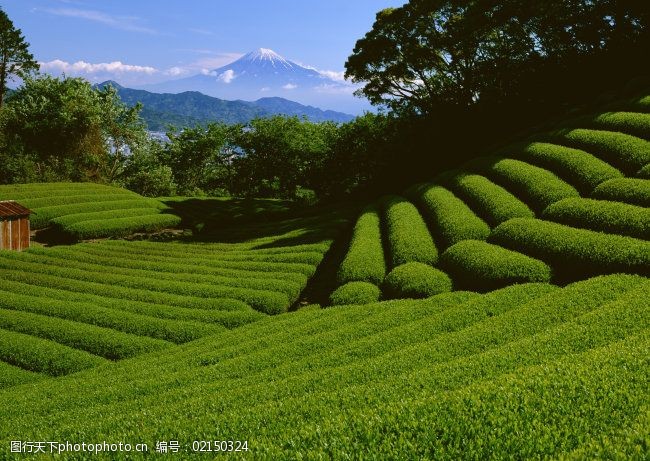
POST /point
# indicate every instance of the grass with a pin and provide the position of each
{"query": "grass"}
(480, 266)
(528, 371)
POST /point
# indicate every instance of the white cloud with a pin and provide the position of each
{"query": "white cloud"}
(335, 88)
(290, 86)
(333, 75)
(265, 89)
(227, 76)
(176, 71)
(129, 23)
(83, 67)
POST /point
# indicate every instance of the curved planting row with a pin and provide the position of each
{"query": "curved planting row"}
(490, 201)
(601, 215)
(86, 210)
(512, 356)
(625, 152)
(574, 253)
(364, 261)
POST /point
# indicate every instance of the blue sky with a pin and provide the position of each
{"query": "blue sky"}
(145, 41)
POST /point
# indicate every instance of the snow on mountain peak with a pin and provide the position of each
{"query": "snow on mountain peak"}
(267, 55)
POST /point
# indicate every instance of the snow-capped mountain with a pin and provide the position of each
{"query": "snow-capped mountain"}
(264, 73)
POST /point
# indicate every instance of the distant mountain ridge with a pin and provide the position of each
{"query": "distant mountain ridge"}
(193, 108)
(263, 73)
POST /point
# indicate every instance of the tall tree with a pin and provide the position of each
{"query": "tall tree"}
(432, 53)
(15, 58)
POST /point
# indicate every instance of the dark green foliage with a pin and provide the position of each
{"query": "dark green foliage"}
(492, 202)
(44, 356)
(579, 168)
(415, 280)
(644, 172)
(623, 151)
(629, 190)
(408, 237)
(15, 58)
(535, 186)
(480, 266)
(449, 218)
(574, 253)
(355, 293)
(601, 215)
(364, 261)
(634, 123)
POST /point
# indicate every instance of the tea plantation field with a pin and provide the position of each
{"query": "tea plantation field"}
(85, 211)
(499, 311)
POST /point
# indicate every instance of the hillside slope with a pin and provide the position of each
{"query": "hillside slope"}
(527, 371)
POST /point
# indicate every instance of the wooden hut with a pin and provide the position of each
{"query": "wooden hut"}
(14, 226)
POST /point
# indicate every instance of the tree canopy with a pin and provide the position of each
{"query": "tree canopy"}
(432, 53)
(15, 58)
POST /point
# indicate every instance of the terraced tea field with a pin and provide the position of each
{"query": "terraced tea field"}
(531, 340)
(86, 211)
(67, 308)
(563, 207)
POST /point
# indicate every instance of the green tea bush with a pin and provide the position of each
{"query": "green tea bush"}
(415, 280)
(574, 253)
(601, 215)
(43, 202)
(43, 356)
(579, 168)
(364, 261)
(174, 331)
(67, 220)
(72, 260)
(449, 218)
(623, 151)
(11, 375)
(480, 266)
(634, 123)
(355, 293)
(16, 282)
(536, 186)
(492, 202)
(408, 237)
(121, 227)
(104, 342)
(43, 216)
(27, 273)
(634, 191)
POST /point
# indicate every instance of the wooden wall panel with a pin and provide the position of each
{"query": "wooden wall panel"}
(15, 234)
(2, 234)
(6, 235)
(24, 233)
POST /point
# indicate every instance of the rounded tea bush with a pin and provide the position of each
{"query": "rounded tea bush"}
(355, 293)
(416, 280)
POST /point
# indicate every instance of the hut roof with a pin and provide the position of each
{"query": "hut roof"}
(10, 209)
